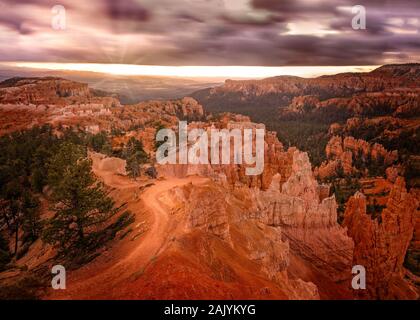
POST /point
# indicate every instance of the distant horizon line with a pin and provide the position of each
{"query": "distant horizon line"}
(205, 72)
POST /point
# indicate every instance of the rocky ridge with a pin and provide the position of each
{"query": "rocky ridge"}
(343, 152)
(285, 88)
(270, 236)
(381, 244)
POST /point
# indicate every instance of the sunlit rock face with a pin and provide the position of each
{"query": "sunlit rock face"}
(381, 244)
(228, 215)
(288, 217)
(26, 102)
(318, 94)
(342, 153)
(295, 208)
(273, 235)
(42, 90)
(309, 223)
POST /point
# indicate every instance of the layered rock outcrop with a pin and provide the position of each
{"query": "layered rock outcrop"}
(292, 218)
(184, 108)
(334, 91)
(293, 207)
(381, 244)
(41, 90)
(276, 160)
(274, 235)
(208, 213)
(342, 153)
(309, 223)
(412, 258)
(26, 102)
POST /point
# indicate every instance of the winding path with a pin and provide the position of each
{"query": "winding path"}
(105, 277)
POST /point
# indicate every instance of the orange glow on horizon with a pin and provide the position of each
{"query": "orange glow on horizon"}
(193, 71)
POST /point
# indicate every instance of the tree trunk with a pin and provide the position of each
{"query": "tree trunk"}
(16, 237)
(80, 231)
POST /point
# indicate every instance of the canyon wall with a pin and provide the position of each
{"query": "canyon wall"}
(381, 244)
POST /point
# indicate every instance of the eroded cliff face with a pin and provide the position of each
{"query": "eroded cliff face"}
(25, 103)
(272, 236)
(301, 237)
(221, 249)
(342, 154)
(308, 221)
(183, 108)
(276, 160)
(412, 258)
(41, 90)
(288, 229)
(398, 103)
(381, 244)
(317, 94)
(311, 246)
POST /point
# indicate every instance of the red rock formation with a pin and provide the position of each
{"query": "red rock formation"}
(333, 90)
(270, 236)
(341, 153)
(392, 173)
(185, 107)
(275, 159)
(37, 101)
(412, 261)
(288, 197)
(381, 245)
(400, 103)
(294, 207)
(41, 91)
(207, 213)
(221, 225)
(310, 224)
(339, 158)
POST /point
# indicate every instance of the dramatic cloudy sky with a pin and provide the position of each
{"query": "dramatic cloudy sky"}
(211, 32)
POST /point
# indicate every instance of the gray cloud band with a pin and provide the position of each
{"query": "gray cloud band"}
(215, 32)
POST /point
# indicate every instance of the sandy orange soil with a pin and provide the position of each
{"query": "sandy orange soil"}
(107, 275)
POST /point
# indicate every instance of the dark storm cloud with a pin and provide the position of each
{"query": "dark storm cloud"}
(189, 17)
(36, 2)
(296, 6)
(212, 32)
(126, 10)
(15, 23)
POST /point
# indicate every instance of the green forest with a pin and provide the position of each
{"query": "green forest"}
(46, 166)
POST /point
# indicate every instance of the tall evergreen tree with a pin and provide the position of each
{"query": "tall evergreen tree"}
(4, 253)
(135, 156)
(80, 202)
(31, 223)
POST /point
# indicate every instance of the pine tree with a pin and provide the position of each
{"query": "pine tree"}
(80, 202)
(132, 166)
(4, 253)
(38, 180)
(12, 209)
(100, 143)
(135, 156)
(31, 224)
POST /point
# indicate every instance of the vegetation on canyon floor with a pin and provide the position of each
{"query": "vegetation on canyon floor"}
(40, 165)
